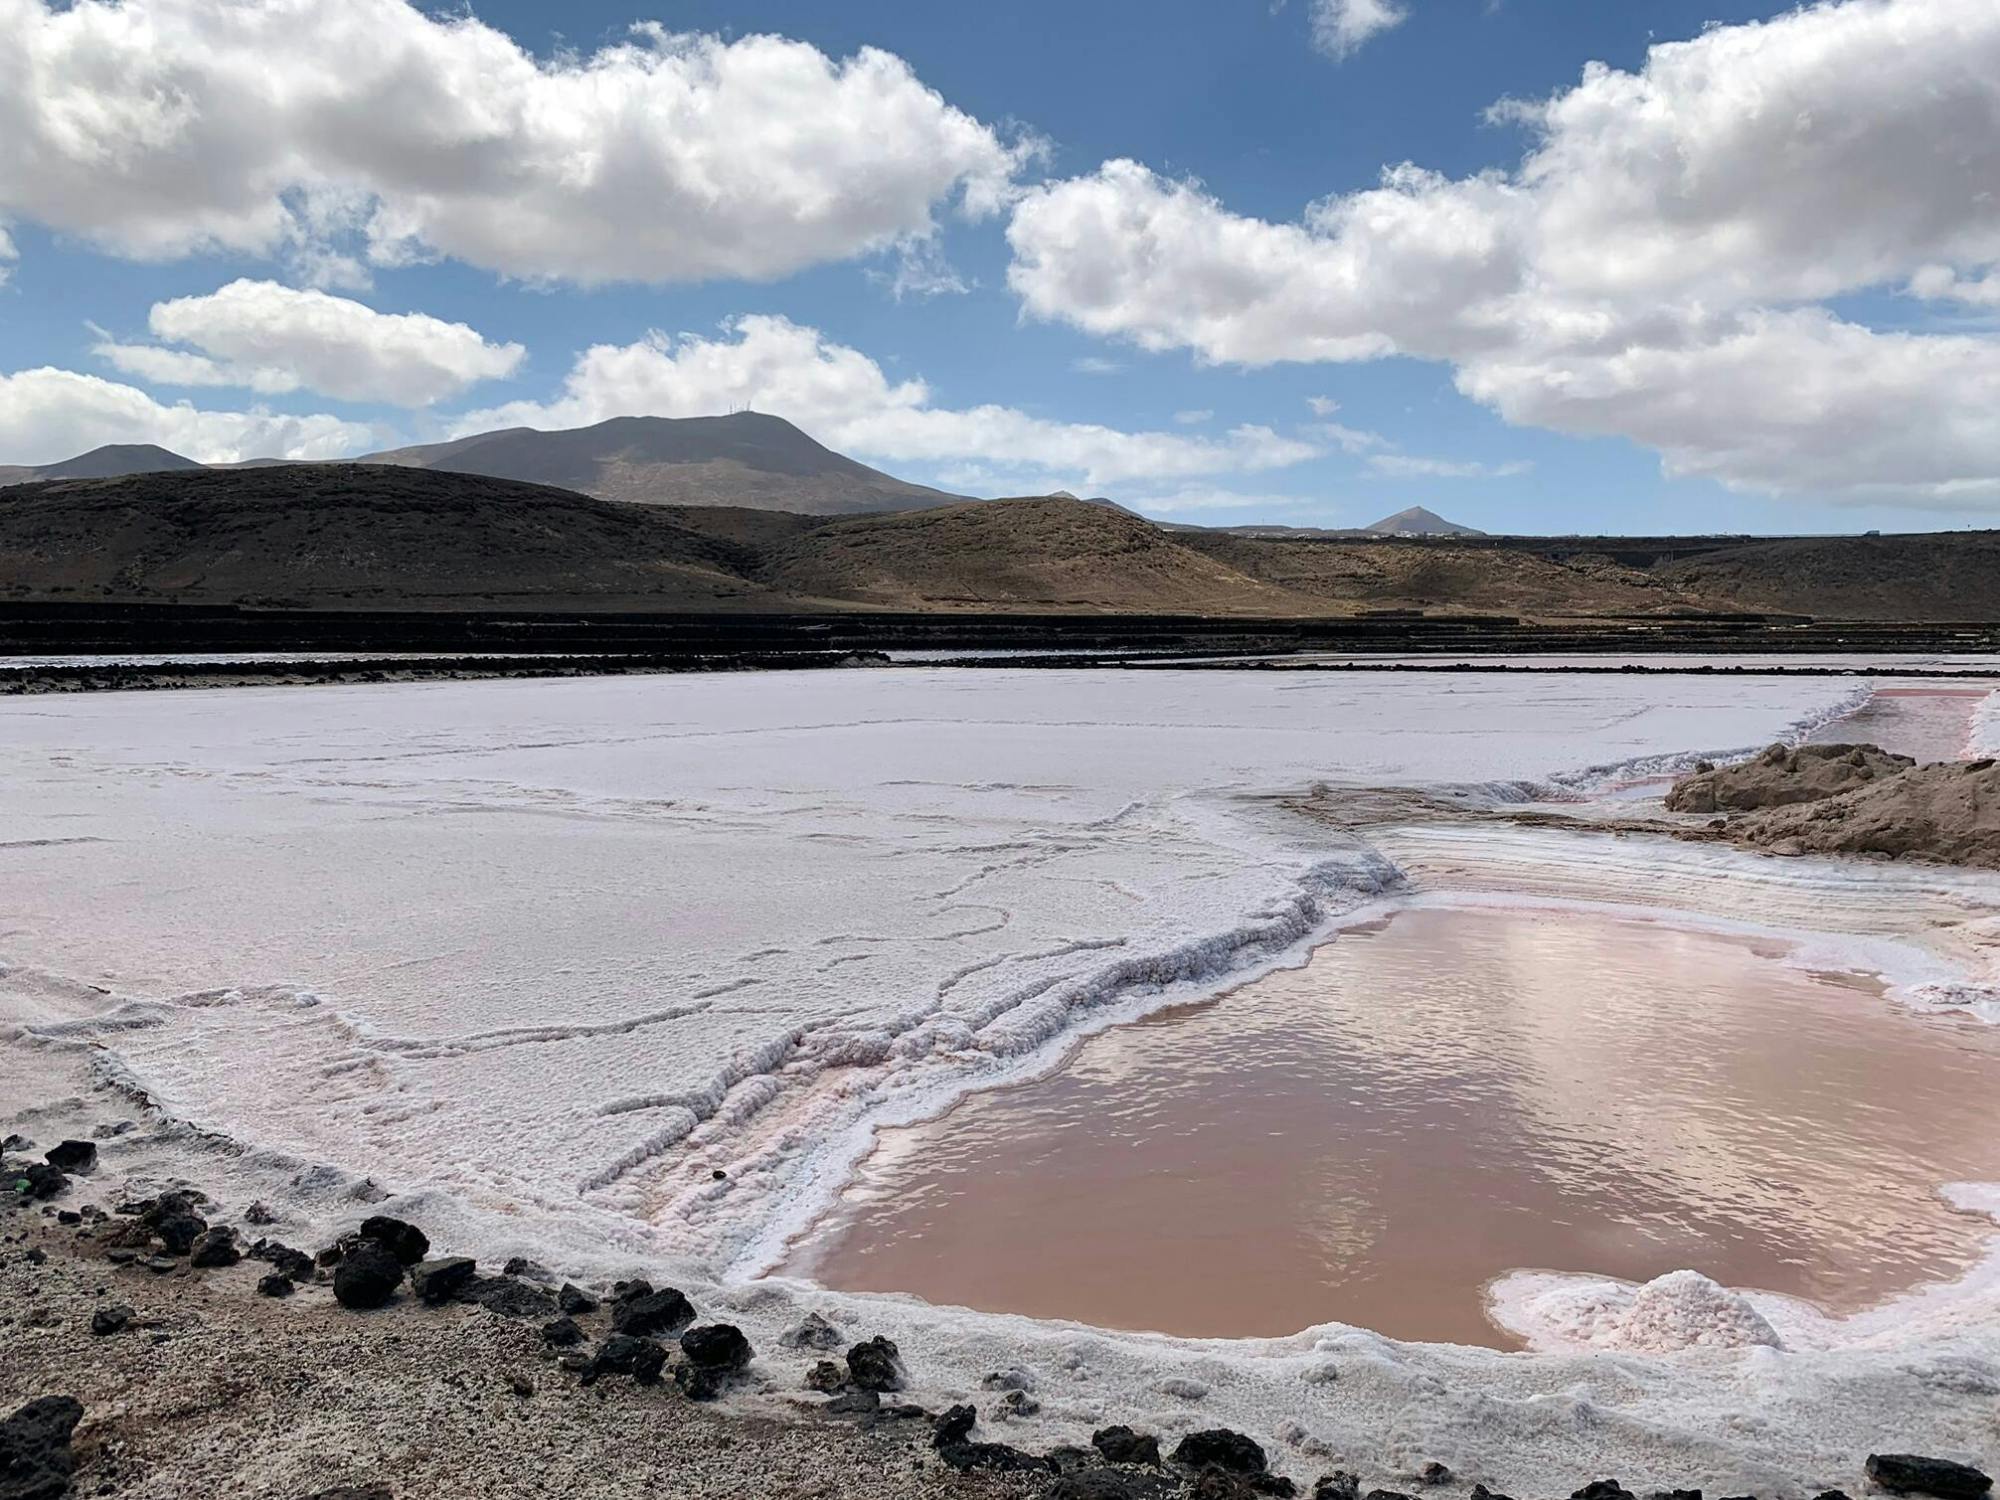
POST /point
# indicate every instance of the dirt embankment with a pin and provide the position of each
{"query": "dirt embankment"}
(1784, 775)
(1853, 799)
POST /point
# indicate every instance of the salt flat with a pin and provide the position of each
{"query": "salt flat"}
(544, 957)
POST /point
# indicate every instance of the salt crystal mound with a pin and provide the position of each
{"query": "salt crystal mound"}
(1983, 738)
(1678, 1311)
(530, 961)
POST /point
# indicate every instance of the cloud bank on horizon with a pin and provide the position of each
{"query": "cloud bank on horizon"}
(1768, 254)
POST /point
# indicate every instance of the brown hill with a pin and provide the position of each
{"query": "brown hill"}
(1417, 521)
(354, 535)
(1053, 554)
(745, 459)
(1433, 574)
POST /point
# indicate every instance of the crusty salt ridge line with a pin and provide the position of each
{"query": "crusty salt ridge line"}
(1594, 779)
(1044, 1027)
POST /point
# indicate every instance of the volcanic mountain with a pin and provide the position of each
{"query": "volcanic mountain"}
(743, 459)
(1417, 521)
(108, 462)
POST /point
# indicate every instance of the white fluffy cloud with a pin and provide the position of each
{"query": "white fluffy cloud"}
(160, 127)
(843, 398)
(1943, 284)
(271, 338)
(1339, 27)
(1649, 271)
(49, 414)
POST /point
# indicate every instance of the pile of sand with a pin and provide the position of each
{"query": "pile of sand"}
(1783, 776)
(1949, 811)
(1852, 799)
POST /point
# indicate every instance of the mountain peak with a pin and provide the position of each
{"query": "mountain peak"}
(1417, 521)
(111, 461)
(742, 458)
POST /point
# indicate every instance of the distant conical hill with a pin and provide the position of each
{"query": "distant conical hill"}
(744, 459)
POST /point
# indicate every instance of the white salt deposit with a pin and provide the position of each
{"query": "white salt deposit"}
(1985, 736)
(537, 959)
(1681, 1310)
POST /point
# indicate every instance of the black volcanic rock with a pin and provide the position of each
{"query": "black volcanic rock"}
(37, 1179)
(405, 1241)
(1908, 1473)
(951, 1438)
(716, 1346)
(562, 1333)
(1121, 1445)
(873, 1365)
(650, 1313)
(628, 1354)
(715, 1353)
(509, 1296)
(214, 1247)
(1219, 1448)
(442, 1279)
(294, 1265)
(367, 1276)
(826, 1377)
(179, 1229)
(72, 1156)
(35, 1458)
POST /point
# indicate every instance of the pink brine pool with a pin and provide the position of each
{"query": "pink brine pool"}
(1435, 1100)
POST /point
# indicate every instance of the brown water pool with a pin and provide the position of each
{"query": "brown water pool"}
(1432, 1101)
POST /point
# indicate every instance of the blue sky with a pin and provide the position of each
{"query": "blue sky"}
(1233, 103)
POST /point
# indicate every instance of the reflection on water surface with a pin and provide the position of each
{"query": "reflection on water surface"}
(1434, 1100)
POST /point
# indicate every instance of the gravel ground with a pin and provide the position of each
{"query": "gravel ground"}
(214, 1390)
